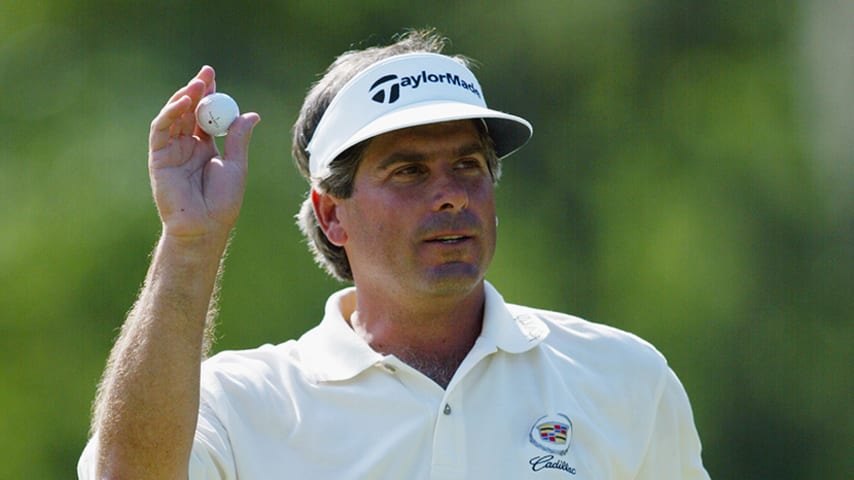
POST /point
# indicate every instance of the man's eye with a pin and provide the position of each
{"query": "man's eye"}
(407, 171)
(470, 164)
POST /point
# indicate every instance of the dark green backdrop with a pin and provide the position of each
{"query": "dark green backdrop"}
(689, 180)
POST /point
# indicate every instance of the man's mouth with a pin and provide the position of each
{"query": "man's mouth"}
(448, 239)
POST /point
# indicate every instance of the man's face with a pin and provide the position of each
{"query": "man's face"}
(421, 219)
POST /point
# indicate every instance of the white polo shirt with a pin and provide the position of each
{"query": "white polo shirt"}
(541, 395)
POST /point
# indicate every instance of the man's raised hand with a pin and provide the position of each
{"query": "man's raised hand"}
(198, 192)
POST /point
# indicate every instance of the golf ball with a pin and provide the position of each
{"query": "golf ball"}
(215, 113)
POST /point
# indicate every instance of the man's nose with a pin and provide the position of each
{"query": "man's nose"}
(450, 192)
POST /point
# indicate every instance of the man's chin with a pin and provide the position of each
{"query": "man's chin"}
(453, 279)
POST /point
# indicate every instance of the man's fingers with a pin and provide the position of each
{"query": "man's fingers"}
(196, 88)
(206, 75)
(186, 124)
(197, 131)
(164, 121)
(211, 87)
(177, 116)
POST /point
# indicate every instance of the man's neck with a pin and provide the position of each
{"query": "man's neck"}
(431, 336)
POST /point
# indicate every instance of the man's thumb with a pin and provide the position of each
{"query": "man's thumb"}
(239, 134)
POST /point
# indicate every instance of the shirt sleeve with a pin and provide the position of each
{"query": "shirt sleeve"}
(674, 449)
(211, 457)
(86, 464)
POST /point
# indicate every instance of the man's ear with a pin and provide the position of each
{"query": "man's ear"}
(326, 209)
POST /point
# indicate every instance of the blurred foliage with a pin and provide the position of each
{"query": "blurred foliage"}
(689, 180)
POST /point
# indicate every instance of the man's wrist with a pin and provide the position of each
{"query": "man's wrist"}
(202, 248)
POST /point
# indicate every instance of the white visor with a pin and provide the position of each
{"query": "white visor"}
(405, 91)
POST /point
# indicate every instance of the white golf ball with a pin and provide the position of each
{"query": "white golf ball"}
(215, 113)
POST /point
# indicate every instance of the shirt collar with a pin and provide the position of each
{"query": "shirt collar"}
(332, 351)
(512, 332)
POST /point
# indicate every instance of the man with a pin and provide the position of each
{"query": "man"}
(420, 370)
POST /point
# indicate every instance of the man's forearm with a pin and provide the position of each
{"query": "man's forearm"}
(147, 404)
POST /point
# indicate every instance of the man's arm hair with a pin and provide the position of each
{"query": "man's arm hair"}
(147, 403)
(208, 340)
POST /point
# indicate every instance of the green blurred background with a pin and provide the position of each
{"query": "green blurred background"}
(690, 179)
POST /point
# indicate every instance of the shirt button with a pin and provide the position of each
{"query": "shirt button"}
(447, 410)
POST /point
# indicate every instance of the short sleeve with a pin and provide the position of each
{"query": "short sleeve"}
(86, 464)
(211, 457)
(674, 449)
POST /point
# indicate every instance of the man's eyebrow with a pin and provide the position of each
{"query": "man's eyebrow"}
(417, 157)
(471, 149)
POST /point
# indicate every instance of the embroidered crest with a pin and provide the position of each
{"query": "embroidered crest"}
(552, 433)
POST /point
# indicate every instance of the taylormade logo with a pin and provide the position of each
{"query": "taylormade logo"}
(387, 88)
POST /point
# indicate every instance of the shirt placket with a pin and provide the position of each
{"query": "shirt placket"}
(450, 442)
(449, 439)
